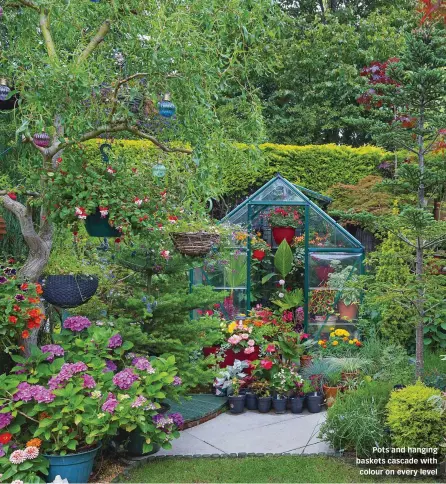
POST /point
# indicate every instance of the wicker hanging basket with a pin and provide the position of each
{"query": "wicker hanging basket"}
(194, 243)
(67, 291)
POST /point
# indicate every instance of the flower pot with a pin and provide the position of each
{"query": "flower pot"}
(314, 402)
(283, 233)
(323, 272)
(67, 291)
(98, 226)
(347, 312)
(251, 401)
(236, 404)
(258, 254)
(279, 404)
(135, 444)
(305, 360)
(76, 468)
(297, 404)
(330, 394)
(264, 404)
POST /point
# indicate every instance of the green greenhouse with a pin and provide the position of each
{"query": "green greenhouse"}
(326, 259)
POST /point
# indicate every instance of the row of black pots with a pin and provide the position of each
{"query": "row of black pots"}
(251, 401)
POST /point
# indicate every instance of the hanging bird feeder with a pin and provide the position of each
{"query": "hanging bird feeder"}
(166, 107)
(42, 139)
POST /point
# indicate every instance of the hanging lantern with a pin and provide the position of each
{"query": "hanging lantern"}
(159, 170)
(42, 139)
(166, 107)
(4, 89)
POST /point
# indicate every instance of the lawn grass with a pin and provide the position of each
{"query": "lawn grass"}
(251, 469)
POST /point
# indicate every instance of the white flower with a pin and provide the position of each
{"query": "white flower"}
(281, 294)
(101, 415)
(124, 396)
(59, 480)
(17, 457)
(282, 282)
(17, 481)
(96, 394)
(31, 452)
(144, 38)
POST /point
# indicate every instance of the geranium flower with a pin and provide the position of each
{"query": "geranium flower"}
(80, 213)
(251, 342)
(266, 364)
(138, 201)
(270, 348)
(249, 350)
(25, 334)
(12, 319)
(173, 219)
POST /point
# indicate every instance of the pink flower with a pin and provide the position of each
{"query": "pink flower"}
(111, 170)
(103, 211)
(251, 342)
(266, 364)
(31, 452)
(270, 348)
(17, 457)
(80, 213)
(138, 201)
(245, 336)
(234, 339)
(165, 254)
(249, 350)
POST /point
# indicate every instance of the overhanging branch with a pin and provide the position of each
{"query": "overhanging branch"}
(45, 28)
(157, 143)
(118, 86)
(29, 4)
(94, 42)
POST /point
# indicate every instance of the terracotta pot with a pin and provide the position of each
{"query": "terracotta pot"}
(305, 360)
(347, 312)
(323, 272)
(283, 233)
(258, 254)
(330, 394)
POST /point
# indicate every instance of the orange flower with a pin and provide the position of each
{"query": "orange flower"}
(258, 323)
(34, 300)
(24, 286)
(25, 334)
(34, 443)
(39, 289)
(12, 319)
(33, 323)
(34, 313)
(22, 348)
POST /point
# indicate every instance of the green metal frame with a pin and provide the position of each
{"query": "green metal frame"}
(254, 207)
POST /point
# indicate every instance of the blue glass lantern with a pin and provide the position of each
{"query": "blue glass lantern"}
(4, 90)
(159, 170)
(166, 107)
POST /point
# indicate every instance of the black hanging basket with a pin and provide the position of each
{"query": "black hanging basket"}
(67, 291)
(98, 226)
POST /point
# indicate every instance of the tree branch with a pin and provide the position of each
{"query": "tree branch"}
(157, 143)
(30, 4)
(116, 91)
(45, 28)
(94, 42)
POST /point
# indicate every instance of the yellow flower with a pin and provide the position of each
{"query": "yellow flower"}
(332, 335)
(320, 342)
(332, 329)
(345, 338)
(335, 343)
(350, 342)
(231, 327)
(355, 340)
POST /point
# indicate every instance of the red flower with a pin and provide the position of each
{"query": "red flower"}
(12, 319)
(117, 241)
(25, 334)
(173, 219)
(33, 323)
(59, 160)
(12, 196)
(134, 170)
(266, 364)
(11, 260)
(5, 438)
(39, 289)
(33, 300)
(270, 348)
(24, 286)
(16, 308)
(304, 336)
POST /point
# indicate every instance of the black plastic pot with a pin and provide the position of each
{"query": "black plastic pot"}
(251, 401)
(279, 404)
(135, 444)
(237, 404)
(67, 291)
(264, 404)
(297, 404)
(314, 402)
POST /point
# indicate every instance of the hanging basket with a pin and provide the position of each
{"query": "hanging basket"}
(194, 243)
(98, 226)
(2, 228)
(67, 291)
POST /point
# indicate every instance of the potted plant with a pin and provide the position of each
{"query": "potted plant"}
(316, 374)
(345, 280)
(323, 268)
(350, 366)
(223, 382)
(313, 395)
(284, 222)
(321, 304)
(282, 382)
(236, 400)
(240, 341)
(259, 248)
(339, 342)
(297, 400)
(262, 390)
(331, 385)
(71, 275)
(294, 347)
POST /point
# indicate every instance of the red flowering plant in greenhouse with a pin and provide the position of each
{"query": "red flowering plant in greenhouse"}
(285, 217)
(70, 395)
(129, 199)
(20, 311)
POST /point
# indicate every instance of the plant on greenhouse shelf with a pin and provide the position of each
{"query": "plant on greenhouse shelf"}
(322, 302)
(259, 247)
(287, 300)
(345, 280)
(294, 345)
(88, 368)
(285, 217)
(19, 307)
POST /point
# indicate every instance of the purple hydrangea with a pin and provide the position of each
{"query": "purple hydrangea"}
(5, 419)
(26, 393)
(177, 381)
(110, 404)
(3, 280)
(19, 297)
(142, 364)
(125, 379)
(2, 452)
(20, 372)
(53, 350)
(177, 418)
(66, 372)
(161, 421)
(115, 341)
(42, 395)
(109, 366)
(139, 401)
(77, 323)
(88, 381)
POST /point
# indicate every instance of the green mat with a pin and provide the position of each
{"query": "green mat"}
(197, 406)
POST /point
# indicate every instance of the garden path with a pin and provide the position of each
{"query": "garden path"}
(253, 432)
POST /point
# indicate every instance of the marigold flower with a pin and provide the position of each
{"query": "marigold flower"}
(335, 343)
(350, 342)
(34, 443)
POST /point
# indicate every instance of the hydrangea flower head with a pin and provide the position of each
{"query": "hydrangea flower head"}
(115, 341)
(77, 323)
(125, 378)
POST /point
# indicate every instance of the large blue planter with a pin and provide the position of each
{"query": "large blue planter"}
(76, 468)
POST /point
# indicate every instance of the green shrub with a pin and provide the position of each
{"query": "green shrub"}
(413, 421)
(395, 366)
(356, 422)
(434, 370)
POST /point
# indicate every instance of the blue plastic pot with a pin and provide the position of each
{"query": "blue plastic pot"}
(76, 468)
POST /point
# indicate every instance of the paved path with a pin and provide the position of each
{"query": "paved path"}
(253, 432)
